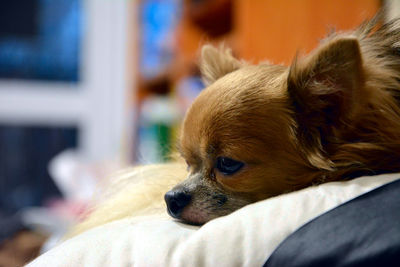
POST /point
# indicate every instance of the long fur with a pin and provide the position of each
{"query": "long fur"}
(369, 143)
(132, 192)
(331, 115)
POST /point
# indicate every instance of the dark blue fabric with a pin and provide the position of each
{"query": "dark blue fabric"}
(362, 232)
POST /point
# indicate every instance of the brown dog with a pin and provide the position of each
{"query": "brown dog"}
(258, 131)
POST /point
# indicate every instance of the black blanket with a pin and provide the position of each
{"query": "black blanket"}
(364, 231)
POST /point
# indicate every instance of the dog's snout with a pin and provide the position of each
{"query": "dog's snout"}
(176, 202)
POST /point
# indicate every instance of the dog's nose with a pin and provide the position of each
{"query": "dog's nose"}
(176, 202)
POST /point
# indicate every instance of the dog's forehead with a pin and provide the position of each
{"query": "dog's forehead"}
(247, 78)
(241, 90)
(224, 105)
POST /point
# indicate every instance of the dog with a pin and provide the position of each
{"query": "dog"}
(258, 131)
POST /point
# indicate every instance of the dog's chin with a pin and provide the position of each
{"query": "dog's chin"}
(195, 217)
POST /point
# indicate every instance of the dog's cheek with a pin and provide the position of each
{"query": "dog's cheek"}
(212, 206)
(249, 181)
(258, 182)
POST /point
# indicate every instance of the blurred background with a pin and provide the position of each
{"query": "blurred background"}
(90, 86)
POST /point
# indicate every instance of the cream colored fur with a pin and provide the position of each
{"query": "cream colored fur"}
(133, 192)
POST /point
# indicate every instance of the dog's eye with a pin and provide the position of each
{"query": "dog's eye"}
(228, 166)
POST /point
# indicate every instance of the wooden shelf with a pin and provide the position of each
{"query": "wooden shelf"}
(271, 30)
(276, 30)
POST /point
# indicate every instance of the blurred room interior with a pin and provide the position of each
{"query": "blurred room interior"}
(88, 87)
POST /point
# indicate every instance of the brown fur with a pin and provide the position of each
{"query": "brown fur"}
(331, 115)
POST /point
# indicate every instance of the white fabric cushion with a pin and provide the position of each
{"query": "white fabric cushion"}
(246, 237)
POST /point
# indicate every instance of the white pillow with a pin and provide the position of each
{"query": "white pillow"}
(246, 237)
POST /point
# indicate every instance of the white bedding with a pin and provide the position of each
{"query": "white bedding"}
(246, 237)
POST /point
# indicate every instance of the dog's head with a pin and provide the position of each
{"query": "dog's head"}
(261, 130)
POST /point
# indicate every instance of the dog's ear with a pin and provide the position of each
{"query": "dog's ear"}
(325, 89)
(215, 63)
